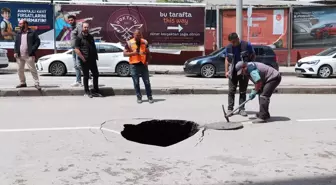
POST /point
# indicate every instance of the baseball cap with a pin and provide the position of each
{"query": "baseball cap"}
(239, 67)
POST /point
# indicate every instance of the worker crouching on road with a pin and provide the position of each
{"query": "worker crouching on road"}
(137, 51)
(266, 79)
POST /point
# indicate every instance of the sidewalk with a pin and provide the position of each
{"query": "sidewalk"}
(159, 69)
(161, 84)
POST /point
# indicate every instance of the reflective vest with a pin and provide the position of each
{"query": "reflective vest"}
(137, 58)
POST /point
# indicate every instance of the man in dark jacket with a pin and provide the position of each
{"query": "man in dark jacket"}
(233, 56)
(26, 44)
(86, 50)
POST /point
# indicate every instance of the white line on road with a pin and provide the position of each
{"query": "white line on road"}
(312, 120)
(57, 129)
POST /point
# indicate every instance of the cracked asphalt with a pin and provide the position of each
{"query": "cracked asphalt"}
(60, 141)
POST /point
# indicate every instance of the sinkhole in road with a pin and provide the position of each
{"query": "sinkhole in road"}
(160, 132)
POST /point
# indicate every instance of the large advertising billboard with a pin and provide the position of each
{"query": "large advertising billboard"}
(39, 17)
(314, 27)
(179, 28)
(269, 27)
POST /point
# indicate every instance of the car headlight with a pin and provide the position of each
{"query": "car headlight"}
(193, 62)
(314, 62)
(43, 59)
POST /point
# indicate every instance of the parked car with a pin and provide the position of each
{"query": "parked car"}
(111, 60)
(214, 64)
(3, 58)
(322, 64)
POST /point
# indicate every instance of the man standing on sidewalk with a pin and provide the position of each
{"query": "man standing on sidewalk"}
(76, 28)
(137, 51)
(26, 44)
(235, 48)
(86, 50)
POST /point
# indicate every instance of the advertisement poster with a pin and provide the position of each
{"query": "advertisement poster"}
(179, 28)
(269, 27)
(314, 27)
(39, 17)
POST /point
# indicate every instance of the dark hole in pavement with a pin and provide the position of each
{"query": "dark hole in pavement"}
(160, 132)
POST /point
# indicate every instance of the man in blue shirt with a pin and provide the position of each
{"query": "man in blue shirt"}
(233, 56)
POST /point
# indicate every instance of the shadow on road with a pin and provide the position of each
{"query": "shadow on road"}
(275, 119)
(6, 73)
(327, 180)
(315, 77)
(49, 86)
(155, 100)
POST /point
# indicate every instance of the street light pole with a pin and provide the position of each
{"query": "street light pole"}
(239, 18)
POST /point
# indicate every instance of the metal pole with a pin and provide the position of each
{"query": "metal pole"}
(289, 35)
(217, 27)
(239, 18)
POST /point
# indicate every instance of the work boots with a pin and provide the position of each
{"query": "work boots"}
(263, 114)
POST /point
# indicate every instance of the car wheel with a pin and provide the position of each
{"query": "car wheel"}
(57, 68)
(324, 71)
(123, 69)
(325, 35)
(208, 70)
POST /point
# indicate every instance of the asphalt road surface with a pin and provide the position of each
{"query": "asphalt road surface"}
(158, 81)
(57, 140)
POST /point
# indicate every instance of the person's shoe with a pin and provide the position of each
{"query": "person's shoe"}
(21, 85)
(150, 100)
(139, 99)
(88, 94)
(96, 94)
(259, 120)
(76, 84)
(229, 111)
(242, 113)
(38, 87)
(267, 117)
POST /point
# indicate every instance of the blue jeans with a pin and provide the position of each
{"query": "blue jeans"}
(136, 71)
(77, 67)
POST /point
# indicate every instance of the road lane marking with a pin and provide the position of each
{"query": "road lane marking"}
(312, 120)
(57, 129)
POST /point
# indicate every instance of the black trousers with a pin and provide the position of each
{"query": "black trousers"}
(265, 95)
(233, 83)
(90, 65)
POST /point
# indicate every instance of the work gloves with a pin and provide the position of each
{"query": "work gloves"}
(253, 94)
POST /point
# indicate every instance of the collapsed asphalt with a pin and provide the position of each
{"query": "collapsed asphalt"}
(160, 132)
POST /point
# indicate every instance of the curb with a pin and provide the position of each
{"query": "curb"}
(109, 91)
(157, 72)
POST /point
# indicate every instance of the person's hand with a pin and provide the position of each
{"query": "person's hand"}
(16, 55)
(83, 59)
(253, 94)
(227, 74)
(134, 53)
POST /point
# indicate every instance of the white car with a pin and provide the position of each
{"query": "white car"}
(3, 58)
(110, 55)
(322, 64)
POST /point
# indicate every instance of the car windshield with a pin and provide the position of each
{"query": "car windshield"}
(217, 51)
(327, 52)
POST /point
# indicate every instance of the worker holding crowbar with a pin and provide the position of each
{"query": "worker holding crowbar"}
(266, 79)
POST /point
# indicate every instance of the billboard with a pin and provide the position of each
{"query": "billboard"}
(269, 27)
(39, 17)
(179, 28)
(314, 27)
